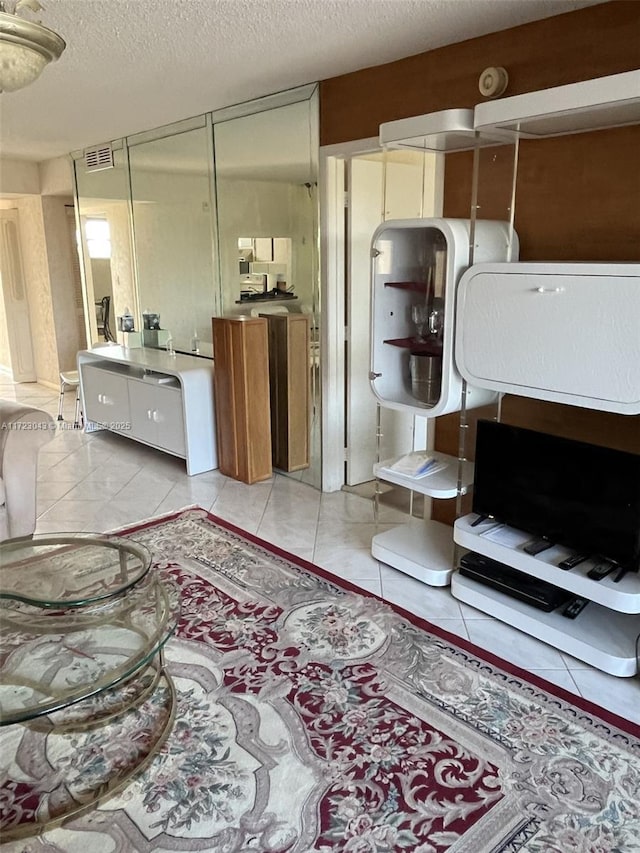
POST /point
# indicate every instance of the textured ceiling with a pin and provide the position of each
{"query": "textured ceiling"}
(132, 65)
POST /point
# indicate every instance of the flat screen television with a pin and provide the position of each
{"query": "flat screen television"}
(569, 492)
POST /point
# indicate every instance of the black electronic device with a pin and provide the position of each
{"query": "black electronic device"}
(569, 492)
(573, 561)
(601, 570)
(537, 593)
(575, 607)
(537, 546)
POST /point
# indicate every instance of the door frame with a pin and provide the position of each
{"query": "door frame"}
(17, 311)
(334, 254)
(333, 249)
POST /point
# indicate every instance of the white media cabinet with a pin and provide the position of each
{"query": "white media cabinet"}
(540, 330)
(566, 333)
(604, 634)
(151, 396)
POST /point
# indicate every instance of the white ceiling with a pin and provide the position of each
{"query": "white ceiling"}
(133, 65)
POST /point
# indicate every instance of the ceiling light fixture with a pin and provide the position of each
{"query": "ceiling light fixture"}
(25, 47)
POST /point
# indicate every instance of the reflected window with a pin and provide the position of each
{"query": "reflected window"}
(98, 238)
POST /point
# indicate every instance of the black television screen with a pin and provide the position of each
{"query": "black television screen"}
(572, 493)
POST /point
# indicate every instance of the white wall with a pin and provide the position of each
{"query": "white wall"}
(56, 177)
(46, 258)
(19, 177)
(60, 274)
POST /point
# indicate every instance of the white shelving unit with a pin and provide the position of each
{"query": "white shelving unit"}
(623, 596)
(604, 634)
(611, 101)
(422, 549)
(444, 131)
(418, 262)
(441, 484)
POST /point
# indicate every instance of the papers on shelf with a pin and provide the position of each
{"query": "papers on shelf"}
(416, 465)
(508, 536)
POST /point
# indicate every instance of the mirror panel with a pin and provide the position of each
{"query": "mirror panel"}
(171, 233)
(267, 224)
(172, 223)
(266, 186)
(105, 237)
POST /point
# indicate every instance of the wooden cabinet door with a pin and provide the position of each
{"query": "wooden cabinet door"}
(289, 366)
(241, 381)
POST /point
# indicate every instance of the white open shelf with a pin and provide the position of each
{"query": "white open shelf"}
(611, 101)
(422, 549)
(443, 131)
(440, 484)
(623, 596)
(601, 637)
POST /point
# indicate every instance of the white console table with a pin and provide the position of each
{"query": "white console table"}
(159, 399)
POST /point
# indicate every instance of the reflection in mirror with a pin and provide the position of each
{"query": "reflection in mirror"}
(264, 265)
(267, 218)
(105, 236)
(171, 196)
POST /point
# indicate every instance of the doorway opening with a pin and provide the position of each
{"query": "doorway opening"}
(364, 187)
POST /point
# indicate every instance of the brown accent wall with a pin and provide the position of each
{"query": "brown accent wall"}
(577, 197)
(592, 42)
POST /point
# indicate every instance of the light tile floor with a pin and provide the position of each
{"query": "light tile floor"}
(100, 481)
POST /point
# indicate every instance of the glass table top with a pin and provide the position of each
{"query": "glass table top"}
(53, 658)
(68, 569)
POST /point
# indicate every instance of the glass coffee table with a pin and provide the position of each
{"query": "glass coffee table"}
(83, 623)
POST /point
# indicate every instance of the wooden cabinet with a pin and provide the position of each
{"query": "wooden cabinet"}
(289, 354)
(241, 377)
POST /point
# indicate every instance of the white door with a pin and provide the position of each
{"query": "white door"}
(14, 295)
(381, 186)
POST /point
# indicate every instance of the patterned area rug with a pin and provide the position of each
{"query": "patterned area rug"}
(314, 718)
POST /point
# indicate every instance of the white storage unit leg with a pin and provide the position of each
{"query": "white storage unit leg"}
(422, 549)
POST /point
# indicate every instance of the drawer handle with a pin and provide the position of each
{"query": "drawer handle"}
(549, 289)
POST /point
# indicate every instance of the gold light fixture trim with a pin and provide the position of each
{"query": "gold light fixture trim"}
(26, 48)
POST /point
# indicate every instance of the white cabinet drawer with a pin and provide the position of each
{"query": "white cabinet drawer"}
(156, 416)
(106, 398)
(563, 332)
